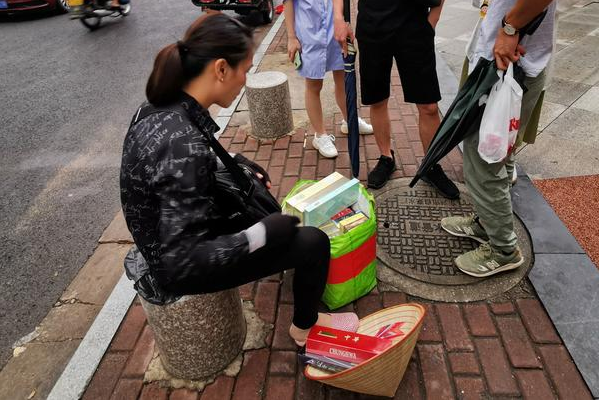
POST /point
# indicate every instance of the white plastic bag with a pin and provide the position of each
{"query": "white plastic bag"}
(501, 118)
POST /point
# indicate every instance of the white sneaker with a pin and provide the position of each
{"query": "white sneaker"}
(325, 145)
(364, 127)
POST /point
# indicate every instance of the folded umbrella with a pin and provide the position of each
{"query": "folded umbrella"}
(353, 138)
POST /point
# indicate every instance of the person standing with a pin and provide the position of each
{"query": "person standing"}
(309, 26)
(404, 31)
(489, 184)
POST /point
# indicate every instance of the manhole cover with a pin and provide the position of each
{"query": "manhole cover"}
(417, 255)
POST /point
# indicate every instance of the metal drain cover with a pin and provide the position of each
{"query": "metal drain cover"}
(416, 255)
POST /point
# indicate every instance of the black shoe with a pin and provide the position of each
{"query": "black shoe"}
(436, 178)
(382, 171)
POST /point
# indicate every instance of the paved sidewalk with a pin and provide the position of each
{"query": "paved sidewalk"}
(492, 349)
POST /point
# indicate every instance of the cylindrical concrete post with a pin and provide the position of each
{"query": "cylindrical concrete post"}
(269, 103)
(198, 336)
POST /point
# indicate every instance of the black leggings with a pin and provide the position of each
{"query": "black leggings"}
(308, 254)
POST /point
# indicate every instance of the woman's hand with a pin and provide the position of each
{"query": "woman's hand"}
(293, 46)
(258, 170)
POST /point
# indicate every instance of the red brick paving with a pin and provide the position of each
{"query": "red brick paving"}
(481, 350)
(153, 391)
(453, 325)
(464, 363)
(222, 388)
(183, 394)
(127, 389)
(106, 377)
(496, 368)
(537, 321)
(435, 371)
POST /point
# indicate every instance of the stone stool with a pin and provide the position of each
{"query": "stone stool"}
(198, 336)
(269, 103)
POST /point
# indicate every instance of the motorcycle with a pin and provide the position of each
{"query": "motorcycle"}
(91, 12)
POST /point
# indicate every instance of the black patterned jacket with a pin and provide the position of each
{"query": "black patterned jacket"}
(167, 195)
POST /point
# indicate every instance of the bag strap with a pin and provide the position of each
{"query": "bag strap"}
(244, 182)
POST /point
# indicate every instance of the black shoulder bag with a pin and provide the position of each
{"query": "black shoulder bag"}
(240, 196)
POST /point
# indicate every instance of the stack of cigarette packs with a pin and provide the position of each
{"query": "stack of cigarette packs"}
(317, 203)
(334, 350)
(330, 204)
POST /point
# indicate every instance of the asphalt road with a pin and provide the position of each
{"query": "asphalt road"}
(66, 98)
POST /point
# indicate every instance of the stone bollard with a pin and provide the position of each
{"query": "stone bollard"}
(269, 103)
(198, 336)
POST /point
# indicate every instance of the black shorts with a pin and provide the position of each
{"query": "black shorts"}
(413, 48)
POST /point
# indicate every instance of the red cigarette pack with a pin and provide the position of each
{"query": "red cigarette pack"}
(343, 345)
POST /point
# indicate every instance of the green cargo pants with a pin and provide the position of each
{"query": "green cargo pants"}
(489, 184)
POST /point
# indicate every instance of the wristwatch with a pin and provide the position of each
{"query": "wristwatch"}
(507, 28)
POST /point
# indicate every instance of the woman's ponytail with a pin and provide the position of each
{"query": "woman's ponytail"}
(167, 78)
(210, 37)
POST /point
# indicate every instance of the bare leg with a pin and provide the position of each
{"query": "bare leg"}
(379, 117)
(429, 122)
(339, 78)
(313, 104)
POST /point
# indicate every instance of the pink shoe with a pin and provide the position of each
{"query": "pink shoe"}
(348, 321)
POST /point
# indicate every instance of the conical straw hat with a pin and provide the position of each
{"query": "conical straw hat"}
(380, 375)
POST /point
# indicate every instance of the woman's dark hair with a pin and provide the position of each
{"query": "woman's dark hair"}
(210, 37)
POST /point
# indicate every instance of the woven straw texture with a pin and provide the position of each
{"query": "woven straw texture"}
(381, 375)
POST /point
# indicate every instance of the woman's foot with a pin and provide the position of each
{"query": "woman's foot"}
(343, 321)
(325, 144)
(364, 127)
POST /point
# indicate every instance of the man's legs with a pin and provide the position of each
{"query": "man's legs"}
(379, 117)
(429, 120)
(416, 63)
(428, 123)
(376, 62)
(489, 186)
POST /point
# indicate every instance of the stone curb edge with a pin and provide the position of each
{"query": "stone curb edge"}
(561, 270)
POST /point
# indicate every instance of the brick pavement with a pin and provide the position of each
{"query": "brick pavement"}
(506, 349)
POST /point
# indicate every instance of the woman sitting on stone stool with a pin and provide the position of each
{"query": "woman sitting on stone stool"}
(168, 187)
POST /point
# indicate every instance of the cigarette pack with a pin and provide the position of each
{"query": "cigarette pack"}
(330, 202)
(351, 222)
(342, 345)
(330, 229)
(299, 201)
(343, 214)
(328, 364)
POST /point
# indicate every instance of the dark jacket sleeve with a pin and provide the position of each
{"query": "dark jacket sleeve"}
(184, 186)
